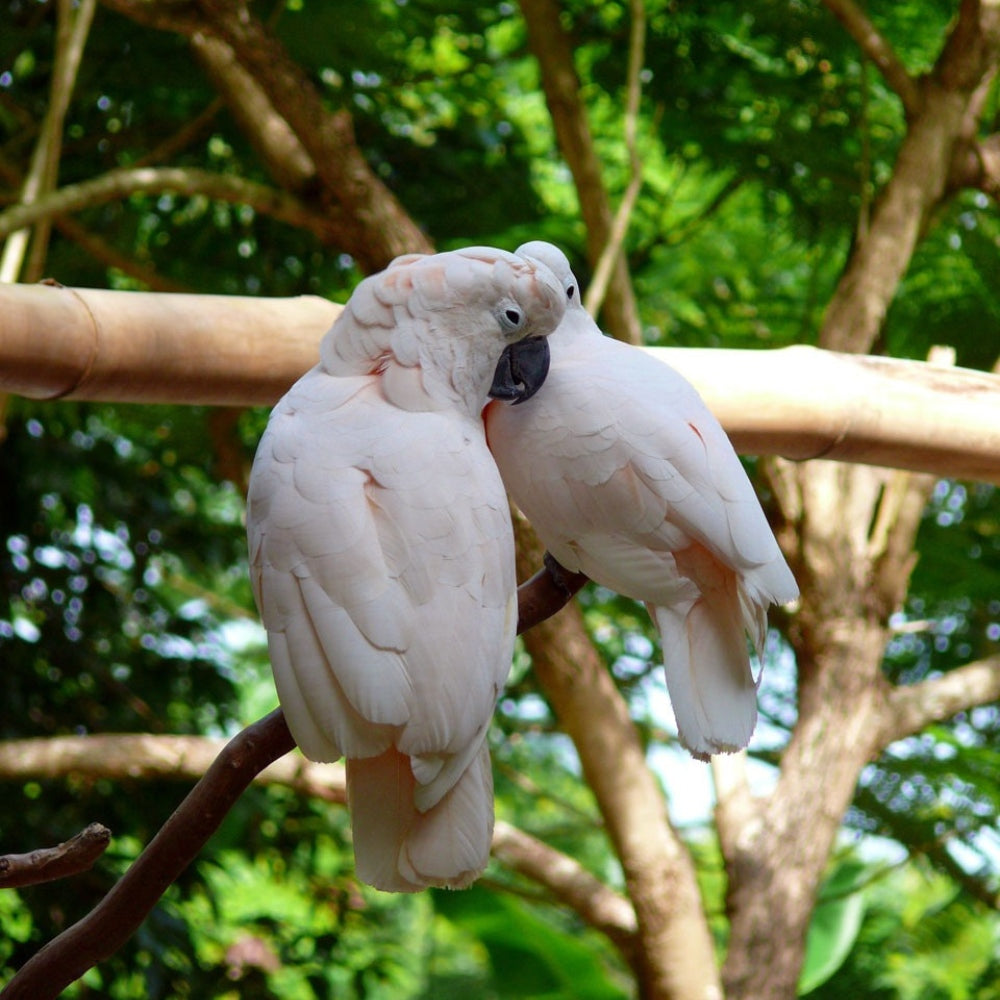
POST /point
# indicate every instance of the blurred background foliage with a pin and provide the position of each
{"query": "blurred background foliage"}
(124, 600)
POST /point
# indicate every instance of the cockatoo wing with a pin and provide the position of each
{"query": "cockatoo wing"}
(383, 566)
(618, 419)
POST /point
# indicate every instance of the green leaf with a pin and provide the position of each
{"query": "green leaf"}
(835, 925)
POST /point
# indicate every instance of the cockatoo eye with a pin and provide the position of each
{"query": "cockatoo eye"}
(570, 292)
(510, 317)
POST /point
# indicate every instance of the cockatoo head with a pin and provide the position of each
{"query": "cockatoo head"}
(445, 326)
(577, 322)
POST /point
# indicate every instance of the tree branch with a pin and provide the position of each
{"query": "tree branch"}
(98, 248)
(251, 755)
(913, 708)
(874, 45)
(674, 952)
(47, 864)
(979, 167)
(372, 224)
(736, 810)
(547, 592)
(110, 924)
(144, 757)
(271, 136)
(570, 883)
(71, 37)
(118, 184)
(937, 134)
(613, 249)
(934, 848)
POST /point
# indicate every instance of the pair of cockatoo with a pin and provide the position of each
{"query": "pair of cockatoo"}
(381, 549)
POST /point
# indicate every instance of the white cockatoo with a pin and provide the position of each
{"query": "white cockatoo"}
(627, 477)
(381, 551)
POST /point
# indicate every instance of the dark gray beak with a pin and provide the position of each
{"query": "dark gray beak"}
(521, 371)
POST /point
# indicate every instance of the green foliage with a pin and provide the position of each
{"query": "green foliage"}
(920, 939)
(835, 924)
(528, 957)
(124, 601)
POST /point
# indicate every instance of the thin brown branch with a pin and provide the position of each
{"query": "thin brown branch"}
(102, 251)
(553, 48)
(975, 885)
(118, 184)
(191, 131)
(98, 248)
(547, 592)
(47, 864)
(935, 849)
(71, 36)
(875, 46)
(686, 227)
(613, 249)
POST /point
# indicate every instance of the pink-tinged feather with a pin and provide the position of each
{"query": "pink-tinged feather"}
(397, 847)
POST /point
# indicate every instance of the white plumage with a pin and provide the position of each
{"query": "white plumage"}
(382, 559)
(627, 477)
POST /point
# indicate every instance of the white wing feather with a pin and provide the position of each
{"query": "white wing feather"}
(383, 567)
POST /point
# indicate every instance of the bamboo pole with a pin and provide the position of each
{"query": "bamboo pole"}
(800, 402)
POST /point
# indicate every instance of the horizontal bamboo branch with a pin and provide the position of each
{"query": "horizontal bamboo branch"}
(799, 402)
(803, 402)
(153, 347)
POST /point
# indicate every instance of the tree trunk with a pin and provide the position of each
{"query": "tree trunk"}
(855, 527)
(674, 958)
(777, 869)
